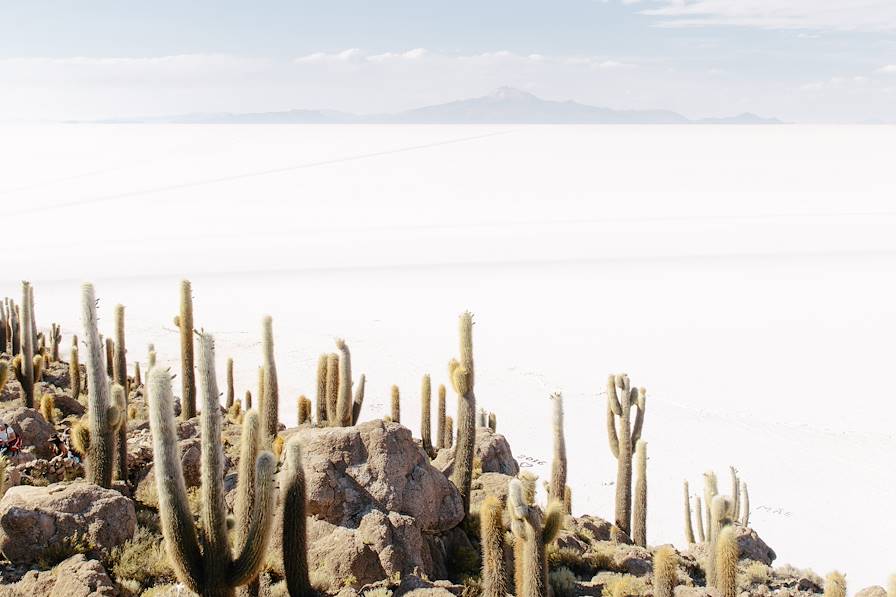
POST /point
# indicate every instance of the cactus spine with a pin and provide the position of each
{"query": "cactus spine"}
(726, 556)
(120, 377)
(27, 376)
(270, 399)
(621, 397)
(559, 464)
(230, 390)
(440, 419)
(395, 415)
(103, 417)
(206, 566)
(426, 413)
(639, 525)
(184, 323)
(295, 548)
(688, 527)
(321, 397)
(462, 373)
(665, 571)
(344, 388)
(494, 575)
(358, 400)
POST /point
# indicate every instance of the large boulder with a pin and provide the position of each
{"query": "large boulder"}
(751, 547)
(33, 519)
(75, 577)
(488, 484)
(32, 427)
(492, 451)
(373, 500)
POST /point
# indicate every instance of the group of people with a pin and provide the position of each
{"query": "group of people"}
(11, 443)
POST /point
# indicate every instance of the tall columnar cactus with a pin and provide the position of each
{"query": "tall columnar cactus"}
(15, 329)
(534, 531)
(688, 527)
(494, 574)
(231, 393)
(426, 414)
(698, 511)
(321, 396)
(665, 571)
(110, 358)
(449, 432)
(4, 327)
(395, 411)
(120, 377)
(103, 415)
(726, 556)
(344, 387)
(202, 559)
(55, 339)
(623, 435)
(27, 372)
(271, 399)
(835, 585)
(332, 389)
(745, 505)
(735, 493)
(246, 498)
(74, 370)
(639, 524)
(4, 373)
(462, 374)
(891, 589)
(440, 419)
(184, 323)
(720, 517)
(710, 491)
(559, 464)
(295, 539)
(358, 400)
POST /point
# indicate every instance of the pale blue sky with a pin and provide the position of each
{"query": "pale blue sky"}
(803, 60)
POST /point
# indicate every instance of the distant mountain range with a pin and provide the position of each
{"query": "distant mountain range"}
(505, 106)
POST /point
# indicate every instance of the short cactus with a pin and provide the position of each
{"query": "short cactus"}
(639, 523)
(494, 574)
(720, 517)
(623, 436)
(138, 379)
(344, 386)
(304, 411)
(4, 373)
(231, 393)
(332, 389)
(321, 396)
(493, 422)
(665, 572)
(395, 415)
(295, 540)
(203, 560)
(358, 400)
(698, 511)
(55, 339)
(48, 408)
(745, 505)
(835, 585)
(559, 463)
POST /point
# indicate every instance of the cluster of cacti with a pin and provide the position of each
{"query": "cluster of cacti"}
(184, 323)
(106, 411)
(533, 530)
(623, 436)
(462, 374)
(202, 558)
(739, 511)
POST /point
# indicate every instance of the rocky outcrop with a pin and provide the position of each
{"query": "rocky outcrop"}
(492, 451)
(75, 577)
(373, 500)
(488, 484)
(43, 472)
(33, 519)
(190, 460)
(874, 591)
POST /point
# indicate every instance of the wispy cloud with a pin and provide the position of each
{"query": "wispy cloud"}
(831, 15)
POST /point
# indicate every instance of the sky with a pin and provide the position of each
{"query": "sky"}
(799, 60)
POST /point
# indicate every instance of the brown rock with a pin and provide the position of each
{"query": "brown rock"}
(874, 591)
(488, 484)
(33, 519)
(31, 426)
(492, 451)
(74, 577)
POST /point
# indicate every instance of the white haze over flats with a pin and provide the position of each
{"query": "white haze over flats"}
(744, 275)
